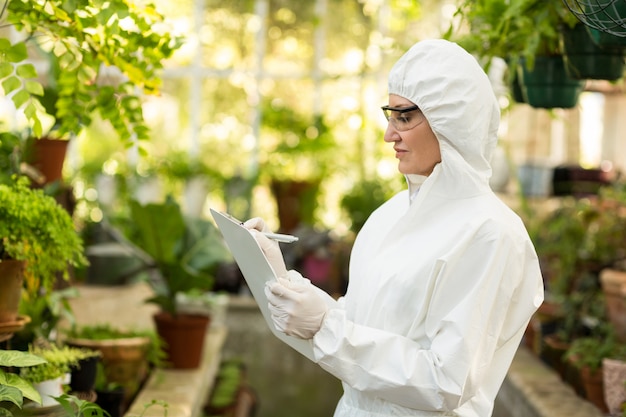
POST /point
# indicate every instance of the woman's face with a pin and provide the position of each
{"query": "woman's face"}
(417, 148)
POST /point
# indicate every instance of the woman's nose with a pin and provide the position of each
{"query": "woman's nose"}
(391, 134)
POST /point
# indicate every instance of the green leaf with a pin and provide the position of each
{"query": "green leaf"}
(26, 71)
(160, 229)
(37, 126)
(20, 98)
(11, 84)
(76, 406)
(11, 394)
(18, 358)
(17, 53)
(5, 45)
(34, 87)
(6, 69)
(25, 388)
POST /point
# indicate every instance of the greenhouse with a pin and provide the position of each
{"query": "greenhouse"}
(460, 253)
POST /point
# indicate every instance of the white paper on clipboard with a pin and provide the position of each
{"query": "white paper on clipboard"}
(256, 271)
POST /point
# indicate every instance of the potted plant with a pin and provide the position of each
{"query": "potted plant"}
(185, 253)
(126, 354)
(572, 253)
(298, 155)
(80, 81)
(526, 33)
(39, 235)
(49, 378)
(604, 18)
(588, 354)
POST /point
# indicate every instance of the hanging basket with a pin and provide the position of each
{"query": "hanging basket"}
(607, 40)
(584, 59)
(548, 85)
(608, 16)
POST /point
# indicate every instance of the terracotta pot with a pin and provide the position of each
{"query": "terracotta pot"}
(295, 201)
(183, 336)
(594, 387)
(614, 378)
(124, 360)
(614, 287)
(49, 157)
(11, 280)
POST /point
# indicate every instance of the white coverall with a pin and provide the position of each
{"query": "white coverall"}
(442, 282)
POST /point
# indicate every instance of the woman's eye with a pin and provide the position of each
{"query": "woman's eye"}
(404, 119)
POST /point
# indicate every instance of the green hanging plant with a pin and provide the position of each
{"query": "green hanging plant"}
(83, 40)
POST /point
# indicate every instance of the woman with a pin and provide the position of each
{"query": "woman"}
(443, 277)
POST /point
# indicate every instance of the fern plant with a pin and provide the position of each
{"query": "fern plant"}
(83, 40)
(36, 229)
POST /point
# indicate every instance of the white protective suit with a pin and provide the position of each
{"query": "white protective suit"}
(441, 286)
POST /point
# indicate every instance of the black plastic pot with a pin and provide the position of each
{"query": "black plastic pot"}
(84, 375)
(111, 401)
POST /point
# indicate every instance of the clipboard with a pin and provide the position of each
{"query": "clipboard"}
(256, 271)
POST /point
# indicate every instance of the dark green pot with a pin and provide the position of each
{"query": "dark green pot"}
(606, 17)
(607, 40)
(584, 59)
(548, 85)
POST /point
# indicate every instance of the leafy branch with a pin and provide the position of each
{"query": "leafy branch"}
(82, 39)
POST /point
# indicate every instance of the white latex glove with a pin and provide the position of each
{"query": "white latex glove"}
(270, 247)
(296, 305)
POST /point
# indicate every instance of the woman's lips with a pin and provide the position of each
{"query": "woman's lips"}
(399, 152)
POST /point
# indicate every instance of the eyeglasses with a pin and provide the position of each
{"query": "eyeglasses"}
(403, 118)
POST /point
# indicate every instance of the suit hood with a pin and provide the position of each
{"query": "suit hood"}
(457, 99)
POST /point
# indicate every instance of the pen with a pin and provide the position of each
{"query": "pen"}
(281, 238)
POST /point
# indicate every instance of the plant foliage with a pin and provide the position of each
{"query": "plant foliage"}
(13, 388)
(105, 331)
(591, 350)
(84, 38)
(58, 362)
(75, 406)
(511, 29)
(36, 229)
(184, 250)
